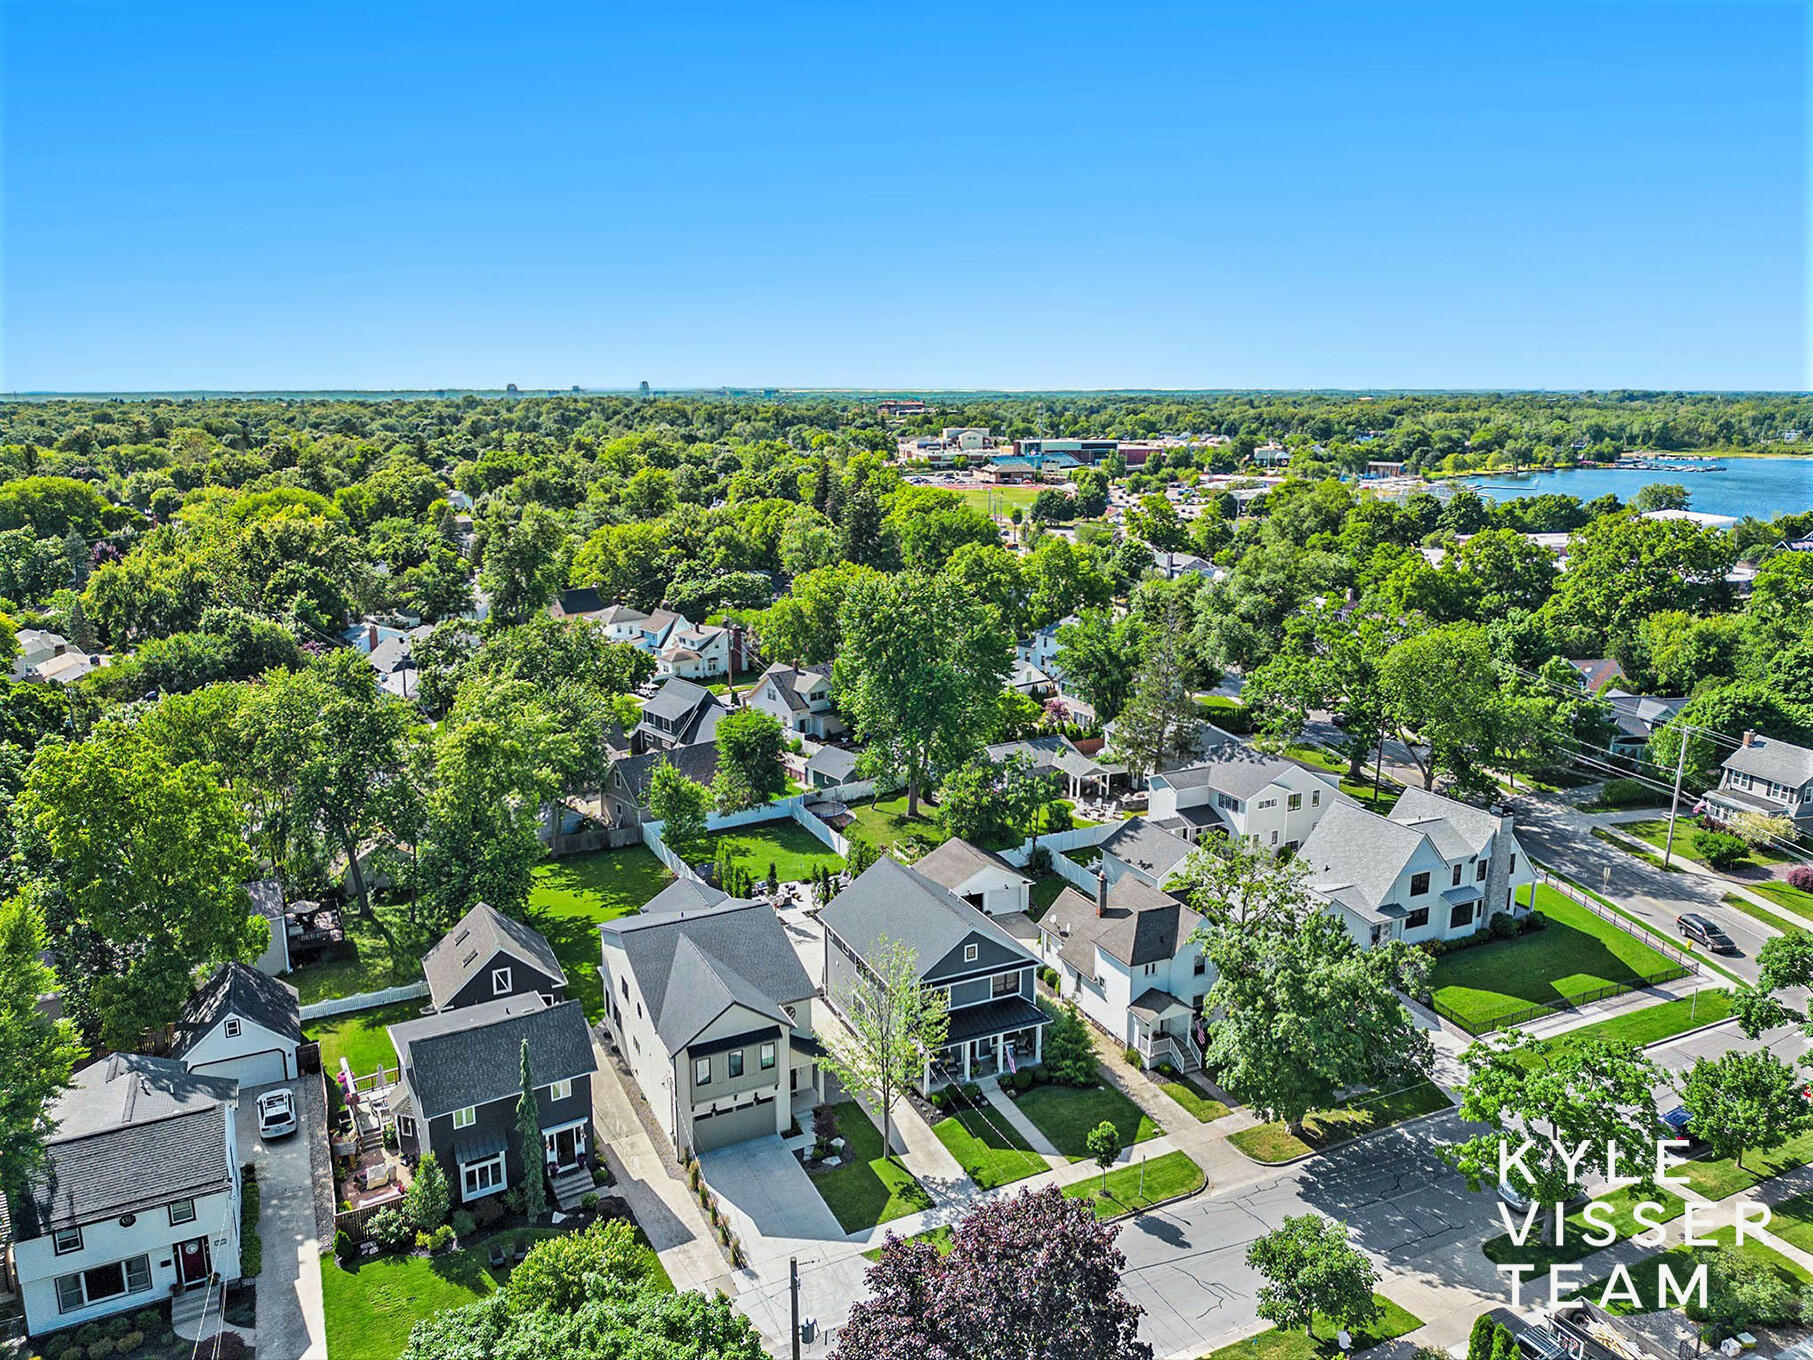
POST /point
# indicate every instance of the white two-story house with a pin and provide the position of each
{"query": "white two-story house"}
(799, 697)
(1434, 869)
(138, 1197)
(711, 1008)
(1129, 959)
(1244, 794)
(1767, 777)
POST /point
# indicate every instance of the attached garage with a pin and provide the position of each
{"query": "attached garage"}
(253, 1069)
(710, 1132)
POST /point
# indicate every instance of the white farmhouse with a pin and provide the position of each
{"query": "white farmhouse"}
(1246, 795)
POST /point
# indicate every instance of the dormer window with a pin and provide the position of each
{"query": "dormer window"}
(500, 982)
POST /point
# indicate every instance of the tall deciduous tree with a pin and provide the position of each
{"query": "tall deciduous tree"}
(1098, 657)
(921, 671)
(143, 865)
(896, 1024)
(1160, 720)
(750, 772)
(680, 803)
(522, 563)
(1032, 1276)
(1312, 1270)
(37, 1053)
(1441, 687)
(1745, 1102)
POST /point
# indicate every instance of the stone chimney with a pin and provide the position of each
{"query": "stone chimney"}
(1498, 869)
(1101, 894)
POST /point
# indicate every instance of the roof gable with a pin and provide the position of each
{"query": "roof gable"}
(478, 938)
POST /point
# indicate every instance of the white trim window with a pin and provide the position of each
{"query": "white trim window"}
(767, 1056)
(969, 953)
(701, 1071)
(406, 1126)
(231, 1028)
(181, 1211)
(481, 1178)
(560, 1090)
(97, 1284)
(466, 1118)
(500, 982)
(65, 1240)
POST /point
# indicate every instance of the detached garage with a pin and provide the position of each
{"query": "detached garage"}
(242, 1024)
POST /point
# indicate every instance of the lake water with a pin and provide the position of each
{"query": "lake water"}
(1763, 487)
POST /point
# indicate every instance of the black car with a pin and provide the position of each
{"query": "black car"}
(1706, 931)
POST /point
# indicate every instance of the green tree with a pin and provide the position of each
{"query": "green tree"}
(1440, 687)
(1103, 1143)
(1098, 656)
(1161, 721)
(1652, 496)
(1745, 1102)
(750, 769)
(426, 1201)
(679, 802)
(560, 1273)
(896, 1024)
(919, 676)
(37, 1054)
(522, 567)
(529, 1144)
(145, 862)
(1311, 1270)
(1155, 521)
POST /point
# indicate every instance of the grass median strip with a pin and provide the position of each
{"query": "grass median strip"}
(1319, 1341)
(1652, 1024)
(1722, 1176)
(871, 1189)
(1773, 920)
(1140, 1185)
(1646, 1274)
(1323, 1129)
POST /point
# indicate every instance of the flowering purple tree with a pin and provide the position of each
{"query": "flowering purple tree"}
(1031, 1277)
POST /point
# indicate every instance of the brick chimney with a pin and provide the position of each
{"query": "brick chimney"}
(371, 636)
(1749, 736)
(1101, 894)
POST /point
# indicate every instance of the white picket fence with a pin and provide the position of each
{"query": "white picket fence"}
(364, 1001)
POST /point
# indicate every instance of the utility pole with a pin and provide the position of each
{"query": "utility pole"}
(793, 1290)
(1674, 803)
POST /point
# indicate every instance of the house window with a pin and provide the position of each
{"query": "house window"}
(131, 1276)
(969, 953)
(1294, 802)
(767, 1056)
(1419, 884)
(1151, 969)
(560, 1090)
(406, 1126)
(183, 1211)
(624, 983)
(500, 982)
(1417, 919)
(1480, 877)
(66, 1240)
(482, 1178)
(1461, 916)
(736, 1063)
(1513, 865)
(1457, 872)
(232, 1027)
(701, 1071)
(1315, 797)
(1004, 984)
(1274, 838)
(464, 1119)
(1201, 966)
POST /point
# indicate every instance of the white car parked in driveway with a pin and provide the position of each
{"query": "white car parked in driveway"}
(276, 1113)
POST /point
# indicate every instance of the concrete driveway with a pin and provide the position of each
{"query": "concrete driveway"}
(291, 1325)
(772, 1205)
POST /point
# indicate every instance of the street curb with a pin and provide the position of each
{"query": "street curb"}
(1684, 1034)
(1361, 1138)
(1163, 1203)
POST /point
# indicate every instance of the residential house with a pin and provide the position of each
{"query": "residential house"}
(1129, 957)
(830, 766)
(586, 603)
(697, 651)
(1078, 775)
(1041, 649)
(680, 713)
(1026, 678)
(1435, 869)
(799, 698)
(1767, 776)
(712, 1009)
(1596, 673)
(986, 974)
(1144, 850)
(1172, 565)
(1638, 718)
(980, 877)
(1244, 794)
(626, 787)
(138, 1196)
(242, 1024)
(488, 955)
(461, 1080)
(52, 658)
(394, 661)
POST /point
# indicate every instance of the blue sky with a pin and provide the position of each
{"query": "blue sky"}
(1057, 195)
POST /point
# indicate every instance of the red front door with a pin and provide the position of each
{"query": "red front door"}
(192, 1261)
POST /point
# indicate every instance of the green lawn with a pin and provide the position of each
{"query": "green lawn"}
(1543, 1254)
(1066, 1114)
(793, 851)
(379, 960)
(1769, 918)
(1792, 1221)
(872, 1189)
(1718, 1178)
(999, 500)
(1784, 896)
(1646, 1274)
(1044, 893)
(1578, 952)
(360, 1037)
(571, 897)
(741, 679)
(1194, 1099)
(1653, 1023)
(883, 822)
(988, 1148)
(1140, 1186)
(371, 1308)
(941, 1237)
(1656, 833)
(1319, 1341)
(1653, 861)
(1324, 1129)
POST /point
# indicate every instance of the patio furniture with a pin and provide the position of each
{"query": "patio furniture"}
(372, 1177)
(498, 1256)
(522, 1250)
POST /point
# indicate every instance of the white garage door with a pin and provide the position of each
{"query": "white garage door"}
(732, 1126)
(254, 1069)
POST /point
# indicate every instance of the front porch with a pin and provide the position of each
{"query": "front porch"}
(989, 1040)
(1167, 1030)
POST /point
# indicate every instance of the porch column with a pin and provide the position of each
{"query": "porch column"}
(1038, 1044)
(966, 1054)
(1000, 1054)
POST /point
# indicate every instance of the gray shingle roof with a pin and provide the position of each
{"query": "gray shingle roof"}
(685, 894)
(473, 1055)
(889, 901)
(677, 698)
(1233, 768)
(697, 761)
(1147, 848)
(691, 966)
(1142, 925)
(470, 946)
(833, 762)
(238, 990)
(957, 861)
(1355, 856)
(267, 900)
(1770, 758)
(1456, 829)
(132, 1132)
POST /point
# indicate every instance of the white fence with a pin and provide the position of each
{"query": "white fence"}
(651, 837)
(364, 1001)
(1061, 864)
